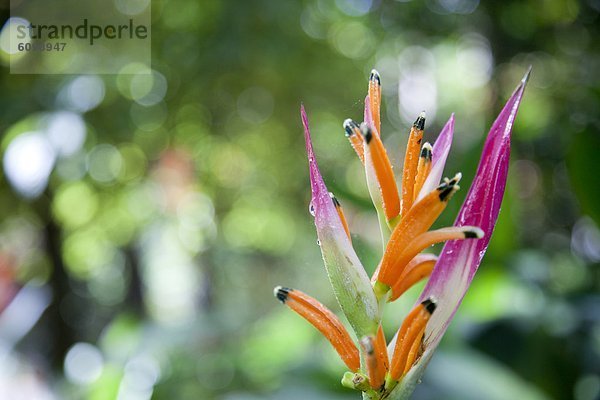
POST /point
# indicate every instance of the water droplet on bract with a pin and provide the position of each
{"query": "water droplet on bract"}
(318, 242)
(311, 209)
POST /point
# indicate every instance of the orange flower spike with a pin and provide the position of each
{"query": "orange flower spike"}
(375, 99)
(422, 169)
(381, 349)
(338, 208)
(324, 320)
(413, 353)
(412, 330)
(411, 161)
(395, 368)
(355, 138)
(415, 222)
(418, 268)
(427, 239)
(375, 369)
(377, 155)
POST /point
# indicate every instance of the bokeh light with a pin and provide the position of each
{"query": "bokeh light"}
(83, 93)
(83, 363)
(28, 162)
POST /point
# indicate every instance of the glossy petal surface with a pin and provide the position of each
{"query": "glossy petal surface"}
(459, 260)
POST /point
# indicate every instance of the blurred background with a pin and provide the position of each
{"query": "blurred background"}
(146, 218)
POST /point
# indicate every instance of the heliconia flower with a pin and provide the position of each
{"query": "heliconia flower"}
(391, 371)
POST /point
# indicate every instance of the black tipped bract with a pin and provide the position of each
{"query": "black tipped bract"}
(336, 202)
(420, 123)
(282, 293)
(429, 305)
(471, 235)
(426, 153)
(349, 127)
(375, 77)
(366, 132)
(448, 187)
(446, 190)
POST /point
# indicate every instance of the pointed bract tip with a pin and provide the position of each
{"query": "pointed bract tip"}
(281, 293)
(303, 116)
(307, 140)
(420, 121)
(429, 304)
(375, 76)
(349, 126)
(427, 151)
(473, 233)
(456, 179)
(449, 183)
(336, 202)
(447, 190)
(366, 132)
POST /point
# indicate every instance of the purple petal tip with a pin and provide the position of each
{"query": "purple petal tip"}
(307, 139)
(317, 184)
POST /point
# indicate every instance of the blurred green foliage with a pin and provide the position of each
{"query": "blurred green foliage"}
(162, 233)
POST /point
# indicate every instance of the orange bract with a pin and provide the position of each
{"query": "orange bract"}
(355, 137)
(426, 239)
(418, 219)
(418, 268)
(338, 208)
(381, 348)
(375, 154)
(375, 369)
(423, 169)
(411, 331)
(324, 320)
(375, 99)
(411, 161)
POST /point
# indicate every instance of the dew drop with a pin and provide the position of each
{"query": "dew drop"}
(318, 242)
(311, 209)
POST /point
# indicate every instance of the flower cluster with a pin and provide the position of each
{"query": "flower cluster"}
(378, 368)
